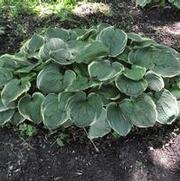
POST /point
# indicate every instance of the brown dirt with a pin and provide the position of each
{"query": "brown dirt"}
(145, 155)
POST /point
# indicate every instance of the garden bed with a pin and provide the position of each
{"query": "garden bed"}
(150, 154)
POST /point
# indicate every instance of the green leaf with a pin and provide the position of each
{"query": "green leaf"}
(117, 120)
(179, 109)
(54, 111)
(92, 51)
(141, 111)
(6, 116)
(30, 107)
(17, 119)
(104, 70)
(100, 128)
(155, 81)
(52, 45)
(5, 76)
(8, 62)
(114, 39)
(84, 110)
(57, 33)
(176, 93)
(131, 87)
(13, 90)
(3, 107)
(81, 83)
(52, 80)
(32, 45)
(142, 3)
(135, 73)
(160, 60)
(167, 107)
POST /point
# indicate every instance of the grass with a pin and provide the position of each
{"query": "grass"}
(40, 7)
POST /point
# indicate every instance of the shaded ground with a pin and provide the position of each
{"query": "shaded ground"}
(145, 155)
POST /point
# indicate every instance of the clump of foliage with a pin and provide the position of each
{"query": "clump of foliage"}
(99, 78)
(143, 3)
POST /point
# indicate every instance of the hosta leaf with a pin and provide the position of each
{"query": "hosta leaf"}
(54, 111)
(138, 38)
(5, 76)
(135, 73)
(8, 62)
(104, 70)
(117, 120)
(142, 3)
(91, 52)
(13, 90)
(141, 111)
(161, 61)
(17, 119)
(100, 127)
(30, 107)
(3, 107)
(176, 93)
(114, 39)
(52, 80)
(6, 116)
(131, 87)
(52, 45)
(33, 44)
(81, 83)
(84, 110)
(167, 107)
(155, 81)
(58, 33)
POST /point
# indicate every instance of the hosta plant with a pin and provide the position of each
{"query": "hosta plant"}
(101, 79)
(143, 3)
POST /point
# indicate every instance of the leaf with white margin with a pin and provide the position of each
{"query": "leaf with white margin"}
(3, 107)
(5, 76)
(167, 107)
(6, 116)
(100, 128)
(131, 87)
(57, 33)
(52, 80)
(114, 39)
(141, 111)
(155, 81)
(13, 90)
(52, 45)
(83, 110)
(81, 83)
(53, 109)
(160, 60)
(17, 119)
(92, 51)
(30, 107)
(176, 93)
(135, 73)
(104, 70)
(117, 120)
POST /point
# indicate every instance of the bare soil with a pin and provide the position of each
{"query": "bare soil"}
(145, 155)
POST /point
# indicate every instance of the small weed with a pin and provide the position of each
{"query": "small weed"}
(27, 130)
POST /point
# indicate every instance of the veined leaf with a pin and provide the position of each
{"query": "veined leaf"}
(13, 90)
(54, 111)
(131, 87)
(83, 110)
(167, 107)
(100, 127)
(114, 39)
(104, 70)
(30, 107)
(117, 120)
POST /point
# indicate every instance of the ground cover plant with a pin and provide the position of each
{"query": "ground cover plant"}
(143, 3)
(101, 78)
